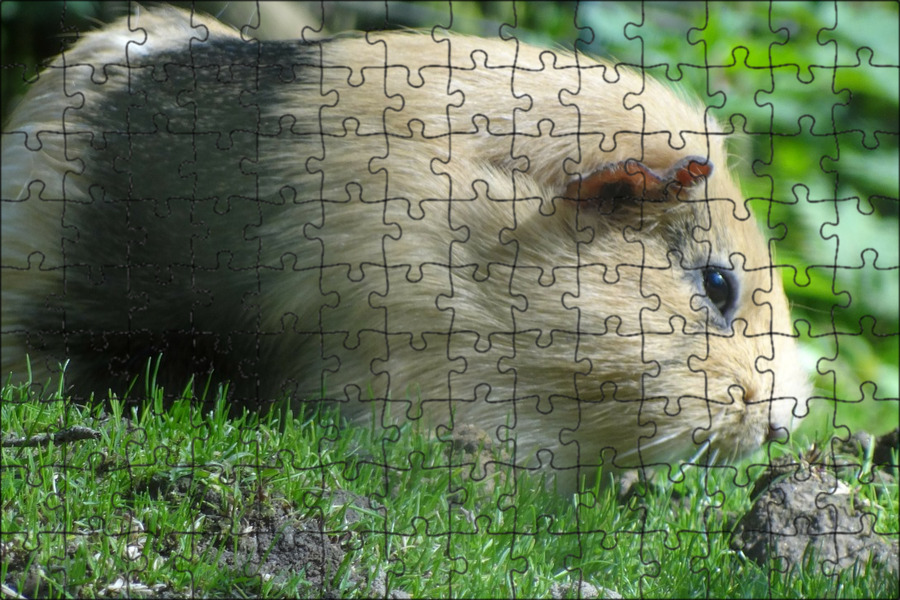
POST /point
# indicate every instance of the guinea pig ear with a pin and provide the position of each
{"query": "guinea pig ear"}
(630, 179)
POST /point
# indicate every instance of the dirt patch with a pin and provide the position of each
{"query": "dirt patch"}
(806, 515)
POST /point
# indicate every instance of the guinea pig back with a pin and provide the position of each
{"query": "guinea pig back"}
(423, 225)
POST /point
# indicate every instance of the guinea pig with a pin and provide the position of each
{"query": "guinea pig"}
(415, 225)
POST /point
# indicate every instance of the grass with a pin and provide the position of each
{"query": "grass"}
(82, 516)
(167, 492)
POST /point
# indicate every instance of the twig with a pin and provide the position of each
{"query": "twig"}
(69, 434)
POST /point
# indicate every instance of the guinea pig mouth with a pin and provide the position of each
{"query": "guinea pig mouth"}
(740, 425)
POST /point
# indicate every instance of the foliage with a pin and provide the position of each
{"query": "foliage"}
(151, 505)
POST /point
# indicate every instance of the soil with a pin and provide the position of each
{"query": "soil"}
(804, 515)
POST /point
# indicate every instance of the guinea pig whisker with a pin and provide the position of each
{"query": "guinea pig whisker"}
(646, 445)
(703, 449)
(661, 439)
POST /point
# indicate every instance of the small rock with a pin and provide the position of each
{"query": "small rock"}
(580, 589)
(885, 448)
(809, 510)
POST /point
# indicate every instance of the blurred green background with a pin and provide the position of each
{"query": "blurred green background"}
(812, 86)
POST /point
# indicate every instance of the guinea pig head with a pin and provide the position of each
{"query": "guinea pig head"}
(691, 304)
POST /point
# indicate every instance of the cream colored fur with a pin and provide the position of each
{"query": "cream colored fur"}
(410, 204)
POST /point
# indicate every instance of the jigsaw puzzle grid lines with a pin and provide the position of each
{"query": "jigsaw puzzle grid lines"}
(776, 183)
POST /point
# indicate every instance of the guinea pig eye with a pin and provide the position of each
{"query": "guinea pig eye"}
(720, 290)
